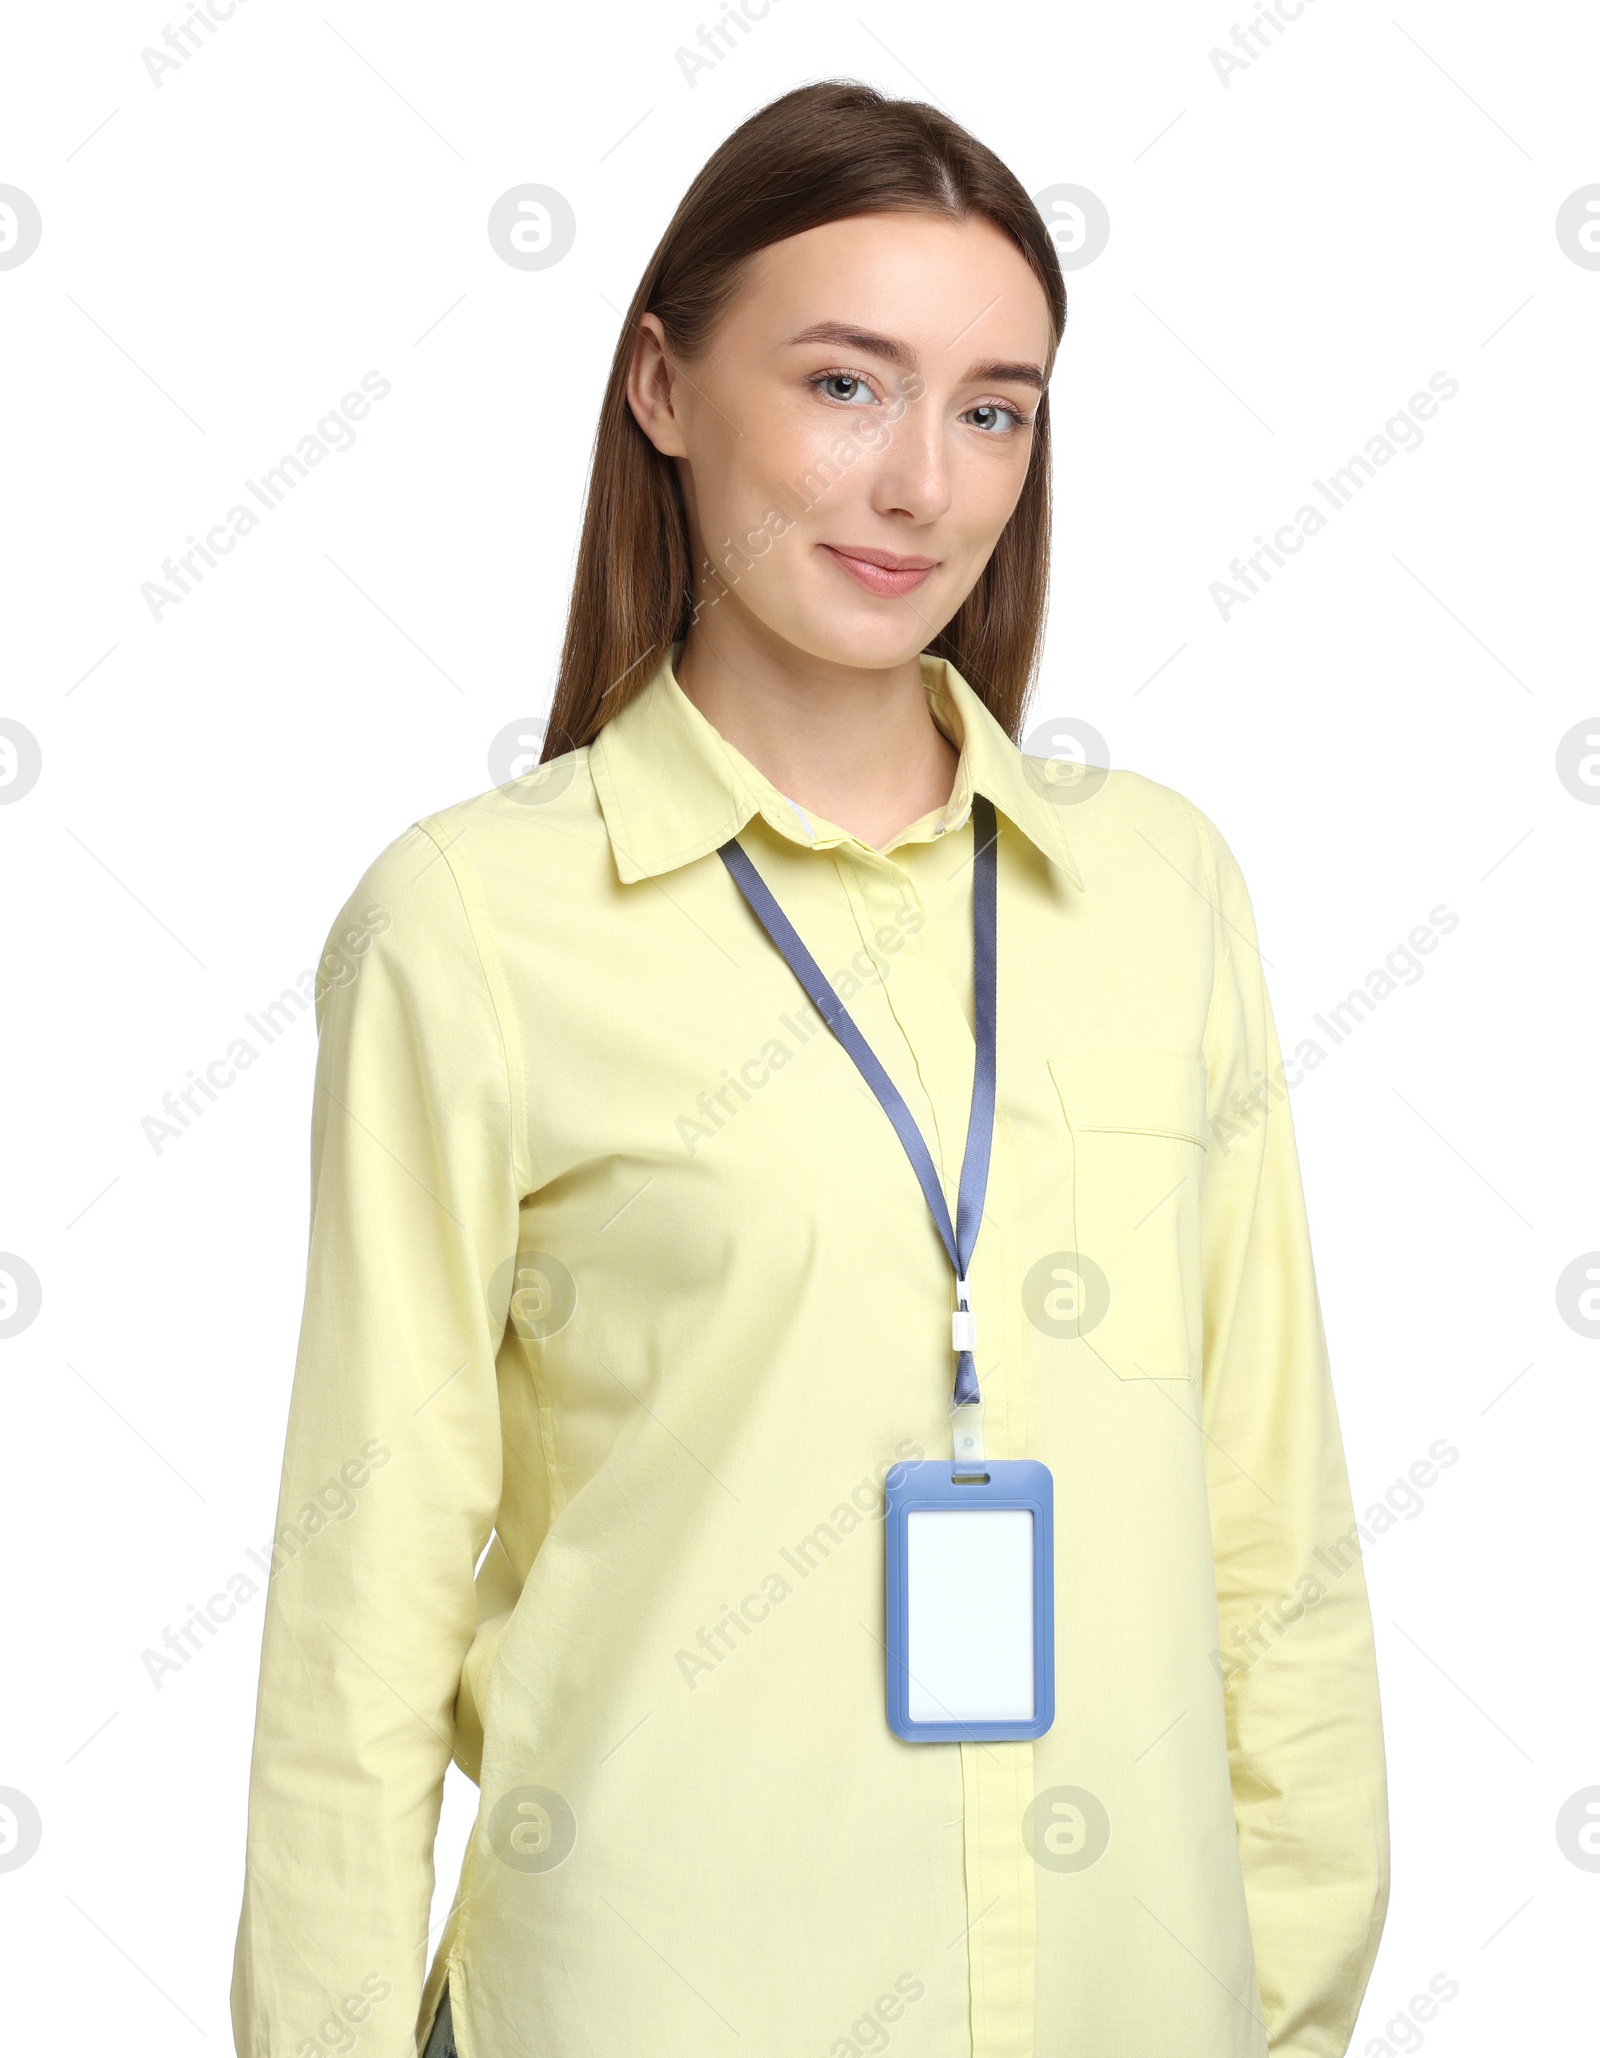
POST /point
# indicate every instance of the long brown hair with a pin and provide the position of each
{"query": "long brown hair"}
(819, 154)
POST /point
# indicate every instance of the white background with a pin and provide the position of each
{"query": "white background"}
(1292, 255)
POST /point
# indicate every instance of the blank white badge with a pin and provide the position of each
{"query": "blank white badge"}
(969, 1614)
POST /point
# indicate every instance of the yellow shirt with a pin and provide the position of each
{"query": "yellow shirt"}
(622, 1299)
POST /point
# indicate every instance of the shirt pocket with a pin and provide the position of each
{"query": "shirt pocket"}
(1139, 1138)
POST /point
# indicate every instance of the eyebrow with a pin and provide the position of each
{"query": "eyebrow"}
(896, 352)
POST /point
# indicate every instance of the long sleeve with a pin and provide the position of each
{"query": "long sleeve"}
(392, 1469)
(1295, 1633)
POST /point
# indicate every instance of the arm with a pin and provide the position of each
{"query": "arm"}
(391, 1471)
(1304, 1735)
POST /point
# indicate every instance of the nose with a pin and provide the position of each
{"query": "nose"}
(913, 471)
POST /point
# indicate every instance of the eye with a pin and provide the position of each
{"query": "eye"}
(849, 389)
(996, 418)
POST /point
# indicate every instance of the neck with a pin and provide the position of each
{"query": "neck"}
(857, 747)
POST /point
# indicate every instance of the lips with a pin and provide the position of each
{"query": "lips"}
(882, 571)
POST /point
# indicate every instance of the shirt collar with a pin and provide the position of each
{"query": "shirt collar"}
(672, 789)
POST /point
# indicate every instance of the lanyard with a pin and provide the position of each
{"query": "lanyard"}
(960, 1238)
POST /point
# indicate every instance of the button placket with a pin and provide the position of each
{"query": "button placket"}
(997, 1779)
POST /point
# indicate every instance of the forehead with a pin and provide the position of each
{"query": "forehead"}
(924, 279)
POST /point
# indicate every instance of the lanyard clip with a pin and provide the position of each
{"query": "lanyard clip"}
(966, 1437)
(963, 1323)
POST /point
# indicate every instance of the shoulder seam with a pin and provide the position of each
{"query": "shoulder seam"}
(475, 914)
(1221, 952)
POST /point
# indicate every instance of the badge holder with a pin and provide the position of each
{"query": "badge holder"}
(969, 1594)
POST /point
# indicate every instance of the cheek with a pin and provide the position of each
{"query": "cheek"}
(801, 463)
(984, 489)
(738, 478)
(787, 443)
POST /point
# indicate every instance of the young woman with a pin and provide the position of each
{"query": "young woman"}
(626, 1319)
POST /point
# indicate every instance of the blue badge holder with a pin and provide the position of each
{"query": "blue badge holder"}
(970, 1601)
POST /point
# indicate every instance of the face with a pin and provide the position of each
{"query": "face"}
(856, 435)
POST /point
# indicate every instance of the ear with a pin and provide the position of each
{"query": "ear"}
(650, 389)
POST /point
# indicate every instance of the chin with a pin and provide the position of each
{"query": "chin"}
(865, 644)
(871, 635)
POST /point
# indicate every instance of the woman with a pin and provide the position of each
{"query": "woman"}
(624, 1311)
